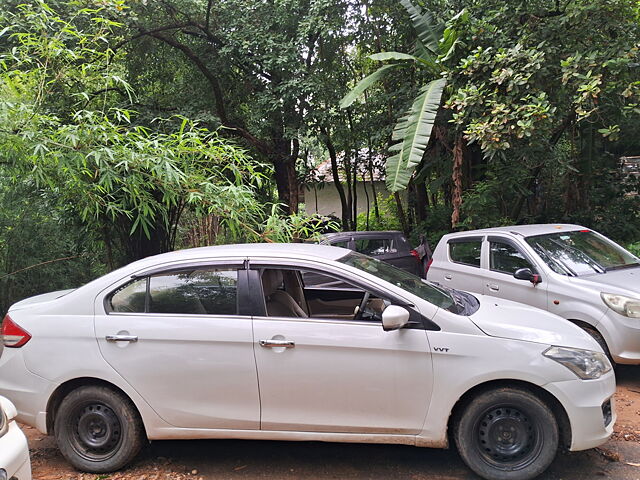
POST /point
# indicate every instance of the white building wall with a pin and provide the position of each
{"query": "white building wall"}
(324, 199)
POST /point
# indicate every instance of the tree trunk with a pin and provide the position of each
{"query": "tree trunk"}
(403, 218)
(336, 177)
(456, 176)
(287, 183)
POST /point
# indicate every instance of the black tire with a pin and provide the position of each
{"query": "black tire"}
(98, 429)
(597, 336)
(507, 434)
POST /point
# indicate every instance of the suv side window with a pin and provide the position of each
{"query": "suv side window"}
(466, 252)
(375, 246)
(506, 258)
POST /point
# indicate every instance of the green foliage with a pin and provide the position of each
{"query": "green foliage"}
(389, 218)
(634, 248)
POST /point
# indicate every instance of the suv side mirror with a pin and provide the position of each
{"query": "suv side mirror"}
(527, 274)
(394, 318)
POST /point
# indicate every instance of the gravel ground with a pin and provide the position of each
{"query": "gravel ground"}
(221, 459)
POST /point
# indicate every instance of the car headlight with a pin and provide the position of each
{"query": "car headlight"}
(585, 364)
(627, 306)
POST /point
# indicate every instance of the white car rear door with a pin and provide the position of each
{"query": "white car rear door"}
(180, 338)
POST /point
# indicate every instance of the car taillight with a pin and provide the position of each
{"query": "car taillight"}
(13, 336)
(415, 254)
(426, 268)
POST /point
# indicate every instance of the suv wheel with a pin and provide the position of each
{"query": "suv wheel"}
(507, 434)
(597, 336)
(98, 429)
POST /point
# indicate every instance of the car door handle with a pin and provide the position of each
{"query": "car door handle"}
(493, 287)
(121, 338)
(277, 343)
(448, 277)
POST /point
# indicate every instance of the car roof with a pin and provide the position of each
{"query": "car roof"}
(251, 250)
(524, 230)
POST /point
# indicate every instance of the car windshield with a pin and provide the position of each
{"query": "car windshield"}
(580, 252)
(405, 280)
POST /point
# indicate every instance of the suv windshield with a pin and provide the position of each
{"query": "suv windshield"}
(402, 279)
(580, 252)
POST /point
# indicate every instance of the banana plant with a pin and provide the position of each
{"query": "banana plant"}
(436, 43)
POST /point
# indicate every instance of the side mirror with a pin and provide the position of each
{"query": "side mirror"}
(9, 410)
(527, 274)
(394, 318)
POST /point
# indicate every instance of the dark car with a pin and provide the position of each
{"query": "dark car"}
(390, 246)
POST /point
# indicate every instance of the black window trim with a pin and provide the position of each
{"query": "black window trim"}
(471, 239)
(416, 319)
(241, 266)
(512, 243)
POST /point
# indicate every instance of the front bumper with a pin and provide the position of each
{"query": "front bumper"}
(585, 402)
(622, 335)
(14, 454)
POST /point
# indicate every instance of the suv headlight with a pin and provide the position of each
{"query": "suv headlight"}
(627, 306)
(585, 364)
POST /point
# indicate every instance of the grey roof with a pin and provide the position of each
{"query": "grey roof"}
(526, 230)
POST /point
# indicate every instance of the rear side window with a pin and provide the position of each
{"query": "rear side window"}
(376, 246)
(341, 244)
(466, 252)
(203, 292)
(506, 258)
(130, 298)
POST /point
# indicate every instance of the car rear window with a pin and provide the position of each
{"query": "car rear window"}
(466, 252)
(376, 246)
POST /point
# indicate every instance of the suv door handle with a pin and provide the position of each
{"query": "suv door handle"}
(121, 338)
(493, 287)
(276, 343)
(448, 276)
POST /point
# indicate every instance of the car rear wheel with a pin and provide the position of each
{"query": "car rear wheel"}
(507, 434)
(98, 429)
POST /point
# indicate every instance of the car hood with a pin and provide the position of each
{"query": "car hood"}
(505, 319)
(625, 281)
(45, 297)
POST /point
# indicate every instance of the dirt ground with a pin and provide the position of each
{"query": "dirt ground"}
(221, 459)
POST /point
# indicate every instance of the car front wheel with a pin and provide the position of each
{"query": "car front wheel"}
(507, 434)
(98, 429)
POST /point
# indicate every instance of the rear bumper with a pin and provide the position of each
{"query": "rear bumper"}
(585, 402)
(27, 391)
(14, 454)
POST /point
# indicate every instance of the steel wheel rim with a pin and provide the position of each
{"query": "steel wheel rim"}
(507, 438)
(96, 431)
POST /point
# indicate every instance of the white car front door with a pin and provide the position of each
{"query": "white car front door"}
(505, 257)
(325, 373)
(180, 339)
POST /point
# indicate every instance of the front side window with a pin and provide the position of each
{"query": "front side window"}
(466, 252)
(405, 280)
(197, 292)
(375, 246)
(505, 258)
(580, 252)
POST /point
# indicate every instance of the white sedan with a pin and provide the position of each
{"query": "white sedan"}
(301, 342)
(14, 452)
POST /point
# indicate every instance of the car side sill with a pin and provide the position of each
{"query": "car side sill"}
(196, 433)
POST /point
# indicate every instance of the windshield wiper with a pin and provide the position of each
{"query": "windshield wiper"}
(620, 267)
(587, 259)
(557, 261)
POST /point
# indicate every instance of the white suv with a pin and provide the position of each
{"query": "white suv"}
(568, 270)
